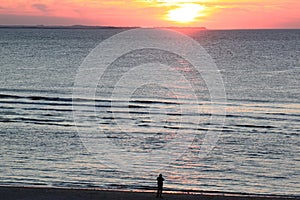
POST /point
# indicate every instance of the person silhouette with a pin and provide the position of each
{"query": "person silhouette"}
(160, 183)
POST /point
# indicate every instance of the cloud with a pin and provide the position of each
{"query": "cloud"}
(40, 20)
(41, 7)
(292, 24)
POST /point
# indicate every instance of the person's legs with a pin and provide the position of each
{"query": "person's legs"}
(159, 192)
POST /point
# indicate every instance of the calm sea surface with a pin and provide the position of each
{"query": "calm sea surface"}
(258, 150)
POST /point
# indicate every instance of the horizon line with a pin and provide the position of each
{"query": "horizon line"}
(75, 26)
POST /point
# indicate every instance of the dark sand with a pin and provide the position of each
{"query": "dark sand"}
(30, 193)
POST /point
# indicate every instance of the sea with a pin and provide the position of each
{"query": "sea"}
(137, 122)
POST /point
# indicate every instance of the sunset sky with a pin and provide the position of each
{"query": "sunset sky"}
(213, 14)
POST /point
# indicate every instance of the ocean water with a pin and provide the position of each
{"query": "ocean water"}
(257, 150)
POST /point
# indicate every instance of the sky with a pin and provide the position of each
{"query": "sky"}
(212, 14)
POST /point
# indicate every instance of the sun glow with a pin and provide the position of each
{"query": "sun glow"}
(186, 13)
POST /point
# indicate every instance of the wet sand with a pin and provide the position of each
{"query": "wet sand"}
(36, 193)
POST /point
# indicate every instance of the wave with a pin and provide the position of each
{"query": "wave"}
(261, 101)
(254, 126)
(43, 110)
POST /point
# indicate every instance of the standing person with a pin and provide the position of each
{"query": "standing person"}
(160, 183)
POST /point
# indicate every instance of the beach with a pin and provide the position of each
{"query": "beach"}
(37, 193)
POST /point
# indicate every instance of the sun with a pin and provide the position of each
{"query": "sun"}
(186, 13)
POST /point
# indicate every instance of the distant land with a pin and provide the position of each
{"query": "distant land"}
(63, 27)
(89, 27)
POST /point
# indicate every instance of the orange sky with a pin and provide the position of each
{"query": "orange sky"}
(213, 14)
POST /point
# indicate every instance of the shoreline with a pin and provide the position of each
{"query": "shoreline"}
(37, 193)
